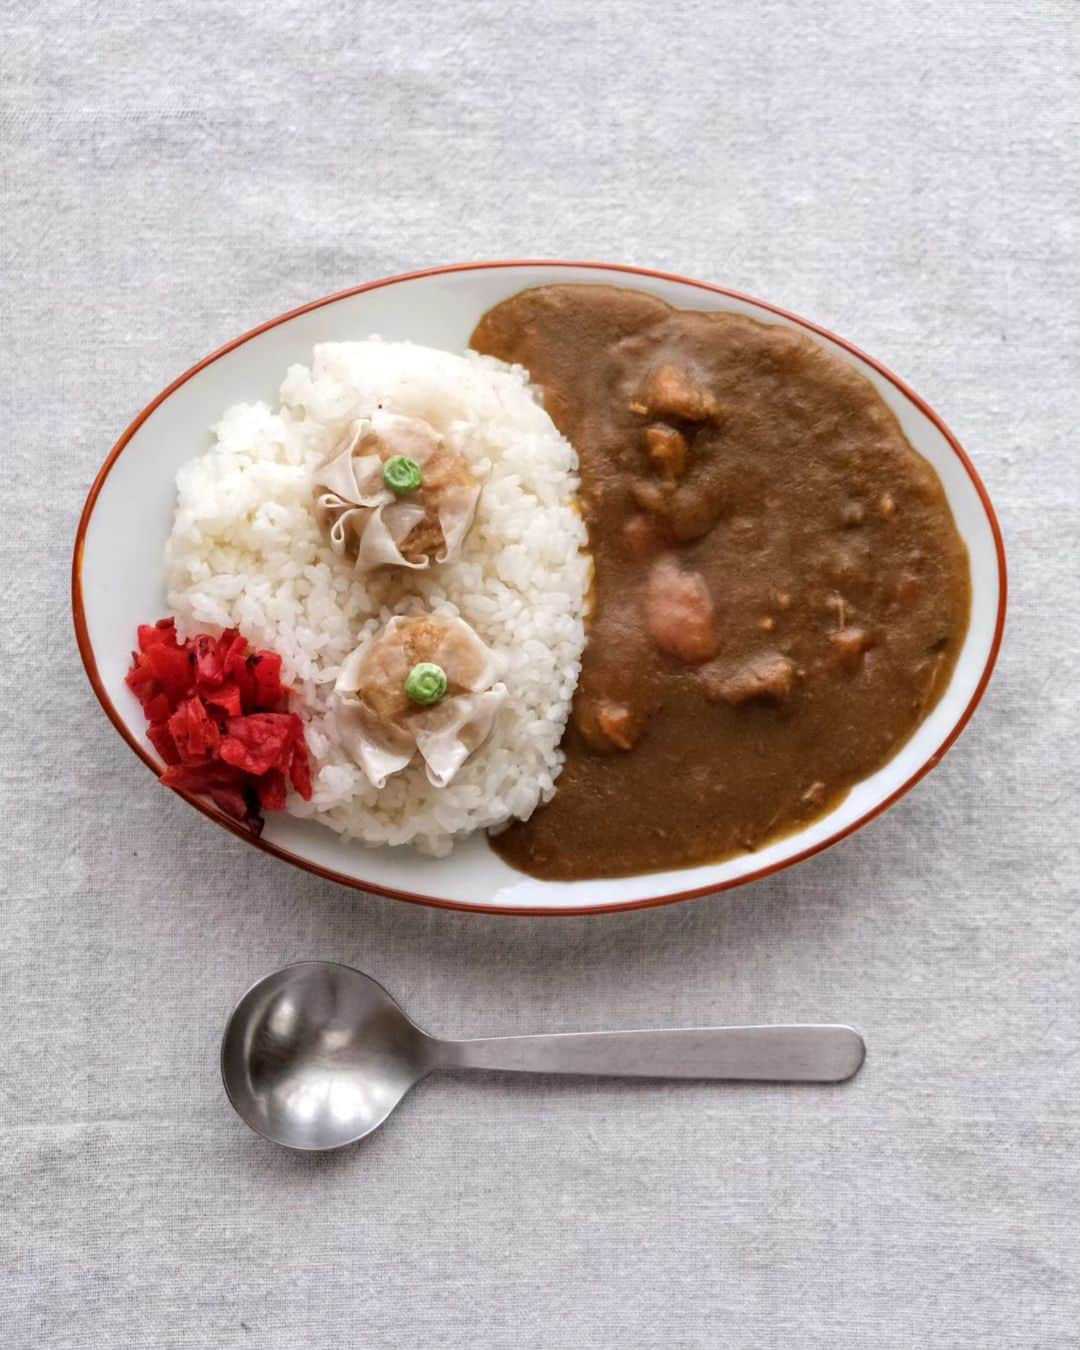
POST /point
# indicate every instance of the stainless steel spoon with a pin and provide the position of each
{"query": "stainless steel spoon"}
(317, 1055)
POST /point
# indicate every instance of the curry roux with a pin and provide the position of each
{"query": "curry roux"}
(780, 588)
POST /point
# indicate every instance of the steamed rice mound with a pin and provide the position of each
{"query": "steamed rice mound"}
(247, 551)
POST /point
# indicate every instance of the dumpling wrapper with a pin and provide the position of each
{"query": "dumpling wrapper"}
(356, 503)
(448, 734)
(444, 735)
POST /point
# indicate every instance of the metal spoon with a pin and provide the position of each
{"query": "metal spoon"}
(317, 1055)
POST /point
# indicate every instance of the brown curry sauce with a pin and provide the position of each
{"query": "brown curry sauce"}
(780, 589)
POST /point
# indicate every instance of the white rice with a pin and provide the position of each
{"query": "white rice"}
(246, 552)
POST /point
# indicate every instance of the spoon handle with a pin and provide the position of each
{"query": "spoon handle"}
(788, 1054)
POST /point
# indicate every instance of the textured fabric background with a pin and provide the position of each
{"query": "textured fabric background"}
(904, 173)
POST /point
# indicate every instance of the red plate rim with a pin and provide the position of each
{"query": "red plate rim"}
(86, 650)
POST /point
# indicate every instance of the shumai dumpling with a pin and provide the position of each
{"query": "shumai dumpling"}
(423, 686)
(395, 494)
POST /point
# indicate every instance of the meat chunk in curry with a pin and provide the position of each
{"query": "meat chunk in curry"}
(680, 616)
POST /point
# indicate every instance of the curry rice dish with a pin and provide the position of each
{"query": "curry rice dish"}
(629, 588)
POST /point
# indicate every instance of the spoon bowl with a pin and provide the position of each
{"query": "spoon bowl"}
(317, 1055)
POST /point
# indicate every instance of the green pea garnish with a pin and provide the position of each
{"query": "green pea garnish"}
(402, 475)
(426, 683)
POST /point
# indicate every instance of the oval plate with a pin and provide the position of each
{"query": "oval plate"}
(118, 575)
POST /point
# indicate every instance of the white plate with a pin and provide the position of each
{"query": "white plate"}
(117, 580)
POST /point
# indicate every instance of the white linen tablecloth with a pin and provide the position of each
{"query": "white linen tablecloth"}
(906, 174)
